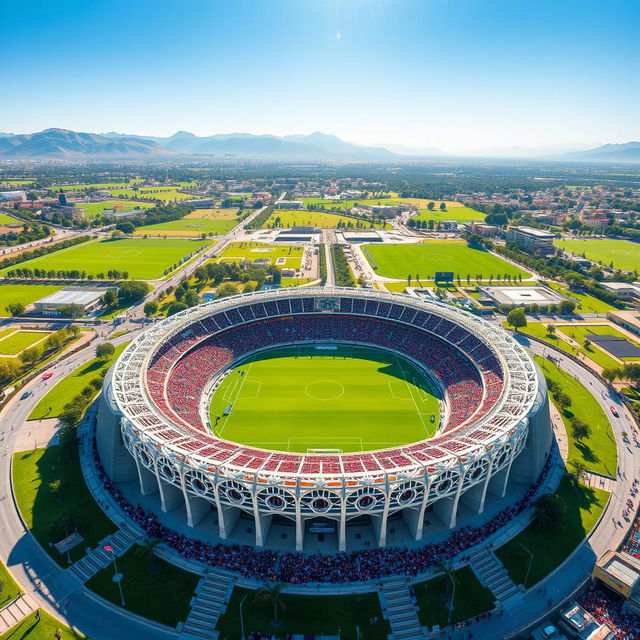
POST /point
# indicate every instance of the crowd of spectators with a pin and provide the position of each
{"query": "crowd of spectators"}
(607, 609)
(296, 567)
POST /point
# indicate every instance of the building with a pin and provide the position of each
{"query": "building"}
(493, 443)
(86, 297)
(597, 218)
(531, 240)
(629, 320)
(12, 196)
(582, 625)
(626, 290)
(384, 210)
(289, 204)
(522, 296)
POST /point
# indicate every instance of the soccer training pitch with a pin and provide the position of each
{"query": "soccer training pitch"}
(340, 397)
(299, 218)
(144, 259)
(625, 255)
(286, 255)
(459, 214)
(401, 260)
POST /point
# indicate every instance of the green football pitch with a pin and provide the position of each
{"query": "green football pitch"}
(424, 259)
(624, 254)
(305, 398)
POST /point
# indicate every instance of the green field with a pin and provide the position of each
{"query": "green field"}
(187, 227)
(319, 219)
(51, 404)
(165, 194)
(579, 332)
(102, 185)
(18, 341)
(92, 209)
(313, 615)
(238, 251)
(10, 590)
(459, 214)
(5, 219)
(585, 301)
(625, 255)
(419, 203)
(144, 259)
(25, 293)
(30, 629)
(300, 398)
(400, 260)
(598, 452)
(552, 543)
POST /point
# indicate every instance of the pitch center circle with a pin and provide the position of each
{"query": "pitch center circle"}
(324, 390)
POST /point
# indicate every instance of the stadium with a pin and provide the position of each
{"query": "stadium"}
(188, 417)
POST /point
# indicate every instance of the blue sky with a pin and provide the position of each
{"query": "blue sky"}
(461, 75)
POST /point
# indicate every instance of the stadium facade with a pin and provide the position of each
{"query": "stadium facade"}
(153, 424)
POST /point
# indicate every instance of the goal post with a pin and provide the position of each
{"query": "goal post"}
(314, 450)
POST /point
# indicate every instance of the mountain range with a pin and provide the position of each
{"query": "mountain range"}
(63, 143)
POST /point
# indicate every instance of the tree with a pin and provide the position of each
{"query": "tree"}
(270, 592)
(562, 400)
(475, 241)
(132, 290)
(551, 329)
(450, 581)
(9, 370)
(566, 307)
(226, 289)
(578, 472)
(71, 310)
(517, 318)
(191, 298)
(579, 429)
(610, 374)
(126, 227)
(431, 206)
(146, 551)
(109, 298)
(16, 309)
(176, 307)
(105, 350)
(548, 508)
(443, 206)
(150, 308)
(30, 355)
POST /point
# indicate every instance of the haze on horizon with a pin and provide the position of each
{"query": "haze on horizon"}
(458, 75)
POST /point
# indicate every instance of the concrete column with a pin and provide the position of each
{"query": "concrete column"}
(170, 495)
(263, 524)
(485, 485)
(443, 508)
(299, 526)
(456, 500)
(412, 520)
(197, 509)
(227, 518)
(342, 533)
(379, 523)
(423, 508)
(148, 480)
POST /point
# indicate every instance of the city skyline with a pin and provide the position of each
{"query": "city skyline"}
(457, 76)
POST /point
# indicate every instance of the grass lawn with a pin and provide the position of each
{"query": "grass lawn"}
(213, 214)
(5, 219)
(238, 251)
(42, 508)
(353, 399)
(51, 403)
(294, 282)
(585, 302)
(459, 213)
(10, 591)
(318, 219)
(144, 259)
(92, 209)
(579, 332)
(187, 227)
(420, 203)
(598, 452)
(539, 330)
(312, 615)
(30, 629)
(470, 598)
(161, 593)
(18, 341)
(624, 254)
(552, 543)
(104, 185)
(164, 194)
(395, 287)
(399, 260)
(25, 293)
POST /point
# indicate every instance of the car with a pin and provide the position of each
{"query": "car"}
(47, 375)
(615, 412)
(25, 395)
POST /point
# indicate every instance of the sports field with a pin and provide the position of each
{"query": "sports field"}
(13, 343)
(348, 398)
(188, 227)
(458, 213)
(95, 185)
(165, 194)
(144, 259)
(624, 254)
(400, 260)
(420, 203)
(5, 219)
(289, 218)
(213, 214)
(287, 255)
(25, 293)
(93, 209)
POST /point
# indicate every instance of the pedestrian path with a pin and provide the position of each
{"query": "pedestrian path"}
(97, 559)
(400, 609)
(599, 482)
(210, 601)
(493, 575)
(16, 611)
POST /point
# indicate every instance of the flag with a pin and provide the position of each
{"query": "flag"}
(108, 547)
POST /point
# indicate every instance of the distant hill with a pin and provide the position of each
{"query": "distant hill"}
(317, 146)
(627, 152)
(62, 143)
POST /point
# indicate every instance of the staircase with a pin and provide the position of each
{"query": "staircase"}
(401, 611)
(16, 611)
(492, 574)
(209, 603)
(97, 559)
